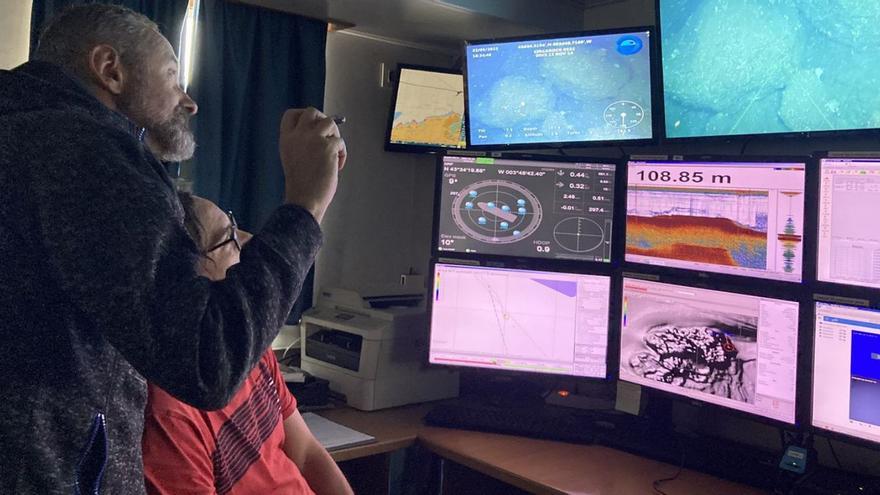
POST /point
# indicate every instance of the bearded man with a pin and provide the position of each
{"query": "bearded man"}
(99, 288)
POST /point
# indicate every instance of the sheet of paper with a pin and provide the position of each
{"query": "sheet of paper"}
(333, 435)
(629, 397)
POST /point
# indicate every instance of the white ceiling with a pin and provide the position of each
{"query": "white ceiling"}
(443, 24)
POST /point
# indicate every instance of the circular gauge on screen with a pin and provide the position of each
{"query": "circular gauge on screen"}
(624, 114)
(496, 211)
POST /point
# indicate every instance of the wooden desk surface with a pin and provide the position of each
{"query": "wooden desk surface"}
(538, 466)
(394, 429)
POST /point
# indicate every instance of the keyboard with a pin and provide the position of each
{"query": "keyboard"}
(533, 422)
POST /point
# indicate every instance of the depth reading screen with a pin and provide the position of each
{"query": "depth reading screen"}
(574, 89)
(734, 218)
(849, 227)
(527, 208)
(846, 371)
(429, 109)
(732, 350)
(543, 322)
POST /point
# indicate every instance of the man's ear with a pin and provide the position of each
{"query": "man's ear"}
(106, 69)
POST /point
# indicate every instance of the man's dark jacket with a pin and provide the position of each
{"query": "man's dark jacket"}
(99, 291)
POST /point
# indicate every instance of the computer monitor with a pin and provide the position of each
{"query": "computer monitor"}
(755, 68)
(536, 207)
(736, 218)
(427, 112)
(849, 228)
(563, 89)
(737, 351)
(520, 320)
(846, 371)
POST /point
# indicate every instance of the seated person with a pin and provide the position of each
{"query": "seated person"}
(258, 443)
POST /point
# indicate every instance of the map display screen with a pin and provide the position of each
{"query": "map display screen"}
(428, 110)
(526, 208)
(560, 90)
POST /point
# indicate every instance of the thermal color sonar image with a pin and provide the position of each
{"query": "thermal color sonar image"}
(743, 67)
(721, 227)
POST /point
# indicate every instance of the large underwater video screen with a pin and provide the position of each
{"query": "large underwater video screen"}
(745, 67)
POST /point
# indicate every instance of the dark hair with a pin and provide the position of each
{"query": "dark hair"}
(193, 226)
(67, 38)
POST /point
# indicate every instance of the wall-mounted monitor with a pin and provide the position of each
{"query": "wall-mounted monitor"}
(572, 89)
(427, 111)
(732, 350)
(741, 67)
(735, 218)
(520, 320)
(536, 207)
(846, 371)
(849, 227)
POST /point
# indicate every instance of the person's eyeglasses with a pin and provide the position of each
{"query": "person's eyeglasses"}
(233, 234)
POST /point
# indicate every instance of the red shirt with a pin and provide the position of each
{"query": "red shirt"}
(235, 450)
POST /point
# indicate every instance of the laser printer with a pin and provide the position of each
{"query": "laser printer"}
(377, 358)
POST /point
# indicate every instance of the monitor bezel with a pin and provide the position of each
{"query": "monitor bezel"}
(873, 305)
(617, 235)
(866, 132)
(810, 198)
(841, 288)
(801, 388)
(614, 288)
(415, 148)
(653, 55)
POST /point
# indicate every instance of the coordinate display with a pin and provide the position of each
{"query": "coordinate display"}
(526, 208)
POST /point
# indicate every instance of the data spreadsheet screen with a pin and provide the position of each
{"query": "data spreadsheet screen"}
(733, 218)
(849, 227)
(733, 350)
(520, 320)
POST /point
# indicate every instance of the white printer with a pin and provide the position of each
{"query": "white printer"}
(377, 358)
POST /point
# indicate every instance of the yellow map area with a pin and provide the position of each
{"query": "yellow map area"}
(428, 109)
(444, 130)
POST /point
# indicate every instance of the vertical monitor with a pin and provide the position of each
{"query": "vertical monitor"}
(520, 320)
(747, 67)
(732, 350)
(584, 88)
(531, 207)
(846, 371)
(849, 227)
(733, 218)
(428, 110)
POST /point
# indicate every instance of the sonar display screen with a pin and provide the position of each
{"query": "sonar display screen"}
(526, 208)
(745, 67)
(560, 90)
(734, 218)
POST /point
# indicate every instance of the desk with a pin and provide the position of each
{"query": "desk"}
(536, 466)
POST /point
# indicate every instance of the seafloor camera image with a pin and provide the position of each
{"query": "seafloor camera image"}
(692, 347)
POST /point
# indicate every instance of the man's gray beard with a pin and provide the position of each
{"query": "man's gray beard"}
(173, 138)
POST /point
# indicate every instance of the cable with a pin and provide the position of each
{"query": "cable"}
(746, 142)
(656, 484)
(834, 453)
